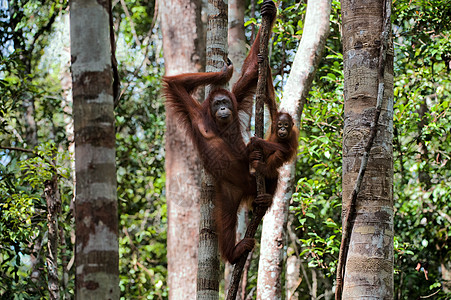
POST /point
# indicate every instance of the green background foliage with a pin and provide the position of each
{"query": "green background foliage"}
(34, 71)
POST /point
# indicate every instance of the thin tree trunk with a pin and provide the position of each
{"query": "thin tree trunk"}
(368, 271)
(293, 276)
(64, 264)
(445, 264)
(53, 200)
(208, 263)
(259, 211)
(96, 218)
(184, 51)
(67, 104)
(237, 54)
(423, 173)
(35, 257)
(316, 30)
(30, 122)
(314, 284)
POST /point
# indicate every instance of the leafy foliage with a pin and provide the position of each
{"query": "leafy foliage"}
(421, 122)
(32, 76)
(140, 123)
(317, 200)
(35, 110)
(23, 220)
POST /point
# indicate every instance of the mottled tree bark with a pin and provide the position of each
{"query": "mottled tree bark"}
(96, 219)
(208, 262)
(237, 54)
(316, 30)
(183, 50)
(369, 264)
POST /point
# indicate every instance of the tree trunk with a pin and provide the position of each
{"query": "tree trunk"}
(237, 54)
(445, 265)
(30, 122)
(96, 219)
(369, 265)
(53, 199)
(293, 275)
(183, 50)
(66, 85)
(208, 263)
(309, 52)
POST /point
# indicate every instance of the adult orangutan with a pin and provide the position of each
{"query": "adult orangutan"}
(214, 129)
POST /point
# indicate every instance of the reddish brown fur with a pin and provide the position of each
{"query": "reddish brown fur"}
(221, 147)
(268, 155)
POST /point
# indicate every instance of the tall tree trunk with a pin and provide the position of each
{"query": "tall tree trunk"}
(237, 54)
(96, 219)
(67, 104)
(369, 264)
(184, 51)
(316, 30)
(208, 263)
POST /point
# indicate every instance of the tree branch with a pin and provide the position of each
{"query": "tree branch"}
(18, 149)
